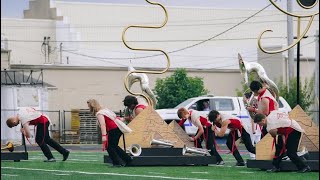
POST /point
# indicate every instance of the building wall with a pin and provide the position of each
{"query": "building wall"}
(74, 86)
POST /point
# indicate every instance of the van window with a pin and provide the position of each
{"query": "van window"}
(223, 104)
(280, 104)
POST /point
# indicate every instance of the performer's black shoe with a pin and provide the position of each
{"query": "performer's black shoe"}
(240, 164)
(65, 156)
(304, 170)
(50, 160)
(273, 170)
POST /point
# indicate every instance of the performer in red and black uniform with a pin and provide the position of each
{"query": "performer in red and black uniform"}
(111, 129)
(266, 101)
(29, 116)
(279, 123)
(133, 107)
(204, 129)
(237, 130)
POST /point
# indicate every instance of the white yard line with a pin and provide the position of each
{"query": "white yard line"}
(155, 173)
(8, 174)
(199, 172)
(246, 172)
(97, 173)
(61, 174)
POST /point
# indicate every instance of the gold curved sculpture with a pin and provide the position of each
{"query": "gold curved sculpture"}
(150, 102)
(299, 36)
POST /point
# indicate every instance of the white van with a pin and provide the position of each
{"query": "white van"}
(223, 104)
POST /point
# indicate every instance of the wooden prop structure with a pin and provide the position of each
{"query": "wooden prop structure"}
(310, 140)
(149, 125)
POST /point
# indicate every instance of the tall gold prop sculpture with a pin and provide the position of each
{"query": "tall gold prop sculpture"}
(126, 84)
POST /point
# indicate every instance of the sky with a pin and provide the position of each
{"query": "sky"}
(14, 8)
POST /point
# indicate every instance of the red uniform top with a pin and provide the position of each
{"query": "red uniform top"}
(42, 119)
(110, 124)
(271, 102)
(234, 124)
(141, 106)
(204, 122)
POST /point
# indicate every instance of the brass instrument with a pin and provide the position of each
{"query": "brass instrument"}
(8, 147)
(161, 143)
(193, 150)
(253, 68)
(135, 150)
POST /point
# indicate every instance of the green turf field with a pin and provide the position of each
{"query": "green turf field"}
(89, 165)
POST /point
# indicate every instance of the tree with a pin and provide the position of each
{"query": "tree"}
(306, 93)
(176, 88)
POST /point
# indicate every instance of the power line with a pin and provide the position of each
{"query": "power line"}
(146, 41)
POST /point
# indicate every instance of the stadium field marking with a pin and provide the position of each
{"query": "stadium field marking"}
(97, 173)
(199, 172)
(246, 172)
(61, 174)
(155, 173)
(9, 175)
(80, 160)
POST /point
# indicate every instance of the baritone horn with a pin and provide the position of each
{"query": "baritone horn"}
(135, 150)
(9, 147)
(193, 150)
(161, 143)
(259, 74)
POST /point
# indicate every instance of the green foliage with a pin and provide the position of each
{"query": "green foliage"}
(176, 88)
(245, 87)
(306, 93)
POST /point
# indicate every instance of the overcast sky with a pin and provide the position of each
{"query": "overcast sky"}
(14, 8)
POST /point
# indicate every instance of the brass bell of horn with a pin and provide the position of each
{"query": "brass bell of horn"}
(9, 147)
(135, 150)
(161, 143)
(192, 150)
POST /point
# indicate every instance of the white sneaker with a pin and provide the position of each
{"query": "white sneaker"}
(220, 163)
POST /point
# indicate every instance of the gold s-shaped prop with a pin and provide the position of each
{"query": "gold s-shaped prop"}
(299, 35)
(150, 102)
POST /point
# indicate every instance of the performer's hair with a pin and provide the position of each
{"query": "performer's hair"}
(181, 112)
(94, 106)
(129, 100)
(255, 85)
(258, 118)
(213, 115)
(247, 94)
(10, 122)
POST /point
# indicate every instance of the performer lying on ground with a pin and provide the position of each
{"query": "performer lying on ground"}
(111, 129)
(279, 123)
(204, 129)
(133, 107)
(237, 130)
(29, 116)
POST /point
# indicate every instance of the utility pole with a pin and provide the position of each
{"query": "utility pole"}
(298, 69)
(290, 63)
(60, 53)
(317, 78)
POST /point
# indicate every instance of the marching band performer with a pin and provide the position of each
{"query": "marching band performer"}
(237, 130)
(29, 116)
(111, 129)
(133, 107)
(279, 123)
(204, 129)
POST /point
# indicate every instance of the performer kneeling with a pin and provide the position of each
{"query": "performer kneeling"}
(279, 123)
(237, 130)
(110, 129)
(204, 128)
(29, 116)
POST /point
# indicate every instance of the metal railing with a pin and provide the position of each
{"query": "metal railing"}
(22, 77)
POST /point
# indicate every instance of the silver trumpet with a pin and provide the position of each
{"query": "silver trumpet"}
(135, 150)
(161, 143)
(193, 150)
